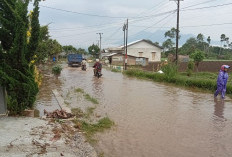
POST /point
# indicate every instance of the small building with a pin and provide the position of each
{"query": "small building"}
(140, 48)
(119, 59)
(181, 58)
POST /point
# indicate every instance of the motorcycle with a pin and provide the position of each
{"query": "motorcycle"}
(97, 73)
(83, 67)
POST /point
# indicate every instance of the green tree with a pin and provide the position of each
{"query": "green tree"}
(171, 33)
(189, 47)
(81, 51)
(94, 50)
(168, 45)
(17, 73)
(35, 32)
(209, 40)
(223, 37)
(197, 56)
(44, 33)
(43, 48)
(54, 47)
(200, 38)
(69, 49)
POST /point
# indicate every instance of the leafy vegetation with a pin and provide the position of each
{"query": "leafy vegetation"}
(56, 70)
(94, 50)
(79, 90)
(206, 81)
(200, 43)
(90, 129)
(190, 68)
(68, 49)
(19, 42)
(89, 98)
(170, 70)
(197, 56)
(115, 70)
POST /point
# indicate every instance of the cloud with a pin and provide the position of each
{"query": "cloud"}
(82, 34)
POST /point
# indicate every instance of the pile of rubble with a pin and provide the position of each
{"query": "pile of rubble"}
(58, 114)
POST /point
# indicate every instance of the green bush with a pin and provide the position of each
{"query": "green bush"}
(56, 70)
(190, 68)
(170, 70)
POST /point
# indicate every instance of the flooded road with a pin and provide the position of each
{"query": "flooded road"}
(152, 119)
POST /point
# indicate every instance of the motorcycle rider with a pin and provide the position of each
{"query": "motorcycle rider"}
(97, 66)
(83, 64)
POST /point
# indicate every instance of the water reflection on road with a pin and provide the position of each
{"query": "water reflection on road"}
(154, 119)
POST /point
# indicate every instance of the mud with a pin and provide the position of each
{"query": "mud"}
(151, 119)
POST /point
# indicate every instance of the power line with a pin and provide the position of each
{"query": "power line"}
(103, 16)
(82, 33)
(154, 23)
(198, 4)
(214, 6)
(161, 27)
(74, 12)
(90, 26)
(151, 9)
(208, 25)
(109, 37)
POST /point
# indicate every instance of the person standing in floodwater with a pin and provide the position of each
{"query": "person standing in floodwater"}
(222, 81)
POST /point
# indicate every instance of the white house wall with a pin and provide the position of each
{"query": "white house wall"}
(147, 50)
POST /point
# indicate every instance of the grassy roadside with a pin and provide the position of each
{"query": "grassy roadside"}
(205, 81)
(84, 121)
(87, 96)
(89, 129)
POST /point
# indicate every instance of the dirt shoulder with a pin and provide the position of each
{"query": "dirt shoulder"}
(37, 137)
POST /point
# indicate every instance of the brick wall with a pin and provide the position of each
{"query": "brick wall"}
(206, 66)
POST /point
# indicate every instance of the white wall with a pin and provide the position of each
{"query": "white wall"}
(147, 50)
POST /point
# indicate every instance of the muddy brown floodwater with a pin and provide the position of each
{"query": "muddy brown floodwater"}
(153, 119)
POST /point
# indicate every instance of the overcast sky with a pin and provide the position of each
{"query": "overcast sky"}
(76, 22)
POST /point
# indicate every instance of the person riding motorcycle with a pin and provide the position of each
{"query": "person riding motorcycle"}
(97, 67)
(83, 64)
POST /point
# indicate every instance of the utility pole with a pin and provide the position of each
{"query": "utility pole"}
(100, 44)
(177, 28)
(125, 29)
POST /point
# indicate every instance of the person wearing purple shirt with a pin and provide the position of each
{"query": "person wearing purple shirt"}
(222, 81)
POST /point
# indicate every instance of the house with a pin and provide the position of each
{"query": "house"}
(140, 48)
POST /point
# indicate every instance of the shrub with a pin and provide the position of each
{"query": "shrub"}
(190, 68)
(56, 70)
(170, 70)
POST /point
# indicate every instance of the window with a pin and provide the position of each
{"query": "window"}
(140, 54)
